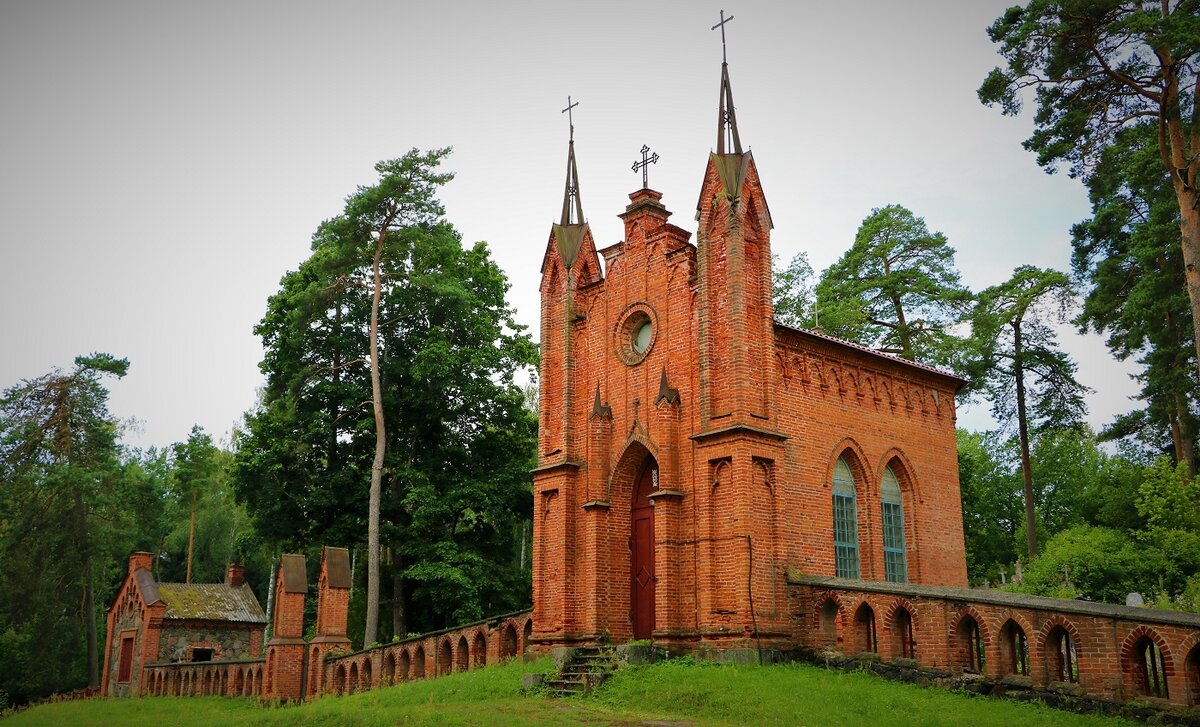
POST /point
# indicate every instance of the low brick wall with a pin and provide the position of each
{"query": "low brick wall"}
(1112, 653)
(201, 678)
(458, 649)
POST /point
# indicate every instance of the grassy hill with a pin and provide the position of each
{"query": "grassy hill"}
(675, 692)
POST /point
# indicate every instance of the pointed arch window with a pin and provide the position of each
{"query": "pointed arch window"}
(845, 521)
(895, 560)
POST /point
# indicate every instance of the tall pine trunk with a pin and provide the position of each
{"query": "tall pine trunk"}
(89, 611)
(370, 634)
(191, 540)
(89, 602)
(399, 612)
(1023, 430)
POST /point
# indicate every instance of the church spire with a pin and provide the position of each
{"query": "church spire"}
(571, 200)
(727, 131)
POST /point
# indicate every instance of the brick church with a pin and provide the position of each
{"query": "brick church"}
(693, 451)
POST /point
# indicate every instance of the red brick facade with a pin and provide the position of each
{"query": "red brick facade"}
(739, 420)
(284, 676)
(146, 630)
(1110, 652)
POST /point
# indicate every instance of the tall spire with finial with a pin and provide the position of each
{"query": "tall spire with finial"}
(572, 205)
(727, 131)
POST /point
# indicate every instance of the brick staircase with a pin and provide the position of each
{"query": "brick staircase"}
(588, 668)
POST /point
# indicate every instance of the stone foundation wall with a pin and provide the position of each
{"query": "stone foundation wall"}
(228, 641)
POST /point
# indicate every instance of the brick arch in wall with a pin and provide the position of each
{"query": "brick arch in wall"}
(364, 673)
(526, 634)
(509, 646)
(462, 654)
(1131, 653)
(404, 663)
(911, 491)
(865, 494)
(829, 619)
(1003, 652)
(1189, 649)
(629, 465)
(902, 628)
(1047, 645)
(387, 673)
(959, 636)
(418, 663)
(479, 646)
(445, 657)
(864, 628)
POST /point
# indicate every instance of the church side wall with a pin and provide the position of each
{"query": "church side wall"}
(835, 401)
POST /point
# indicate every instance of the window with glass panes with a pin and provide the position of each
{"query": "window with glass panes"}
(845, 521)
(895, 564)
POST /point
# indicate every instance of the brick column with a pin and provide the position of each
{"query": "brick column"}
(333, 608)
(284, 678)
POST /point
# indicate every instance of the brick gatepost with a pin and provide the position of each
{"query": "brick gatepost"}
(333, 608)
(284, 677)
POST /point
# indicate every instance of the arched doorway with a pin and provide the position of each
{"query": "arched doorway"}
(641, 597)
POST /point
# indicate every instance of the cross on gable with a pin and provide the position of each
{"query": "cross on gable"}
(721, 25)
(647, 160)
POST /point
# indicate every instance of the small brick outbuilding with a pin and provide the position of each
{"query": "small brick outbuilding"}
(153, 623)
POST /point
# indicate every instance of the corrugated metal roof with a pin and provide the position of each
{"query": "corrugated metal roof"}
(210, 602)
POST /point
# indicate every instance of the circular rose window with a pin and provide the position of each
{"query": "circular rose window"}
(636, 334)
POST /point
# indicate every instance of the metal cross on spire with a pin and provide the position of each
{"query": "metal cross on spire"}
(721, 25)
(647, 160)
(727, 132)
(570, 116)
(572, 211)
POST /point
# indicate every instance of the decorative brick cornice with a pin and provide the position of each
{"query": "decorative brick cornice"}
(739, 429)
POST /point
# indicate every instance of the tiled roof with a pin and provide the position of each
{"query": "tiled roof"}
(871, 351)
(210, 602)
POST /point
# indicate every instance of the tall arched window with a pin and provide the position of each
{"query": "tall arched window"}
(895, 562)
(845, 521)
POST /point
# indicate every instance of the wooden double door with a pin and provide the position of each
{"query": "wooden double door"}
(641, 540)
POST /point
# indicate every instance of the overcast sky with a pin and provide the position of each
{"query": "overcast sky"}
(163, 164)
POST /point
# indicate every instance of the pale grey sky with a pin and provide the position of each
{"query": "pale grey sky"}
(162, 164)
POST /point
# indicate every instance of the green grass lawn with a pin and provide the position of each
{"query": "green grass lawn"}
(680, 692)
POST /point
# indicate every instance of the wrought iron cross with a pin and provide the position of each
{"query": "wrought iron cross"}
(721, 25)
(570, 116)
(647, 160)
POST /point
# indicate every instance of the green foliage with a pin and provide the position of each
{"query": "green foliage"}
(1011, 336)
(67, 506)
(1097, 67)
(1169, 497)
(896, 289)
(460, 439)
(1097, 563)
(794, 293)
(1128, 253)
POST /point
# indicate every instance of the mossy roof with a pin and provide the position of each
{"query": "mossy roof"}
(210, 602)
